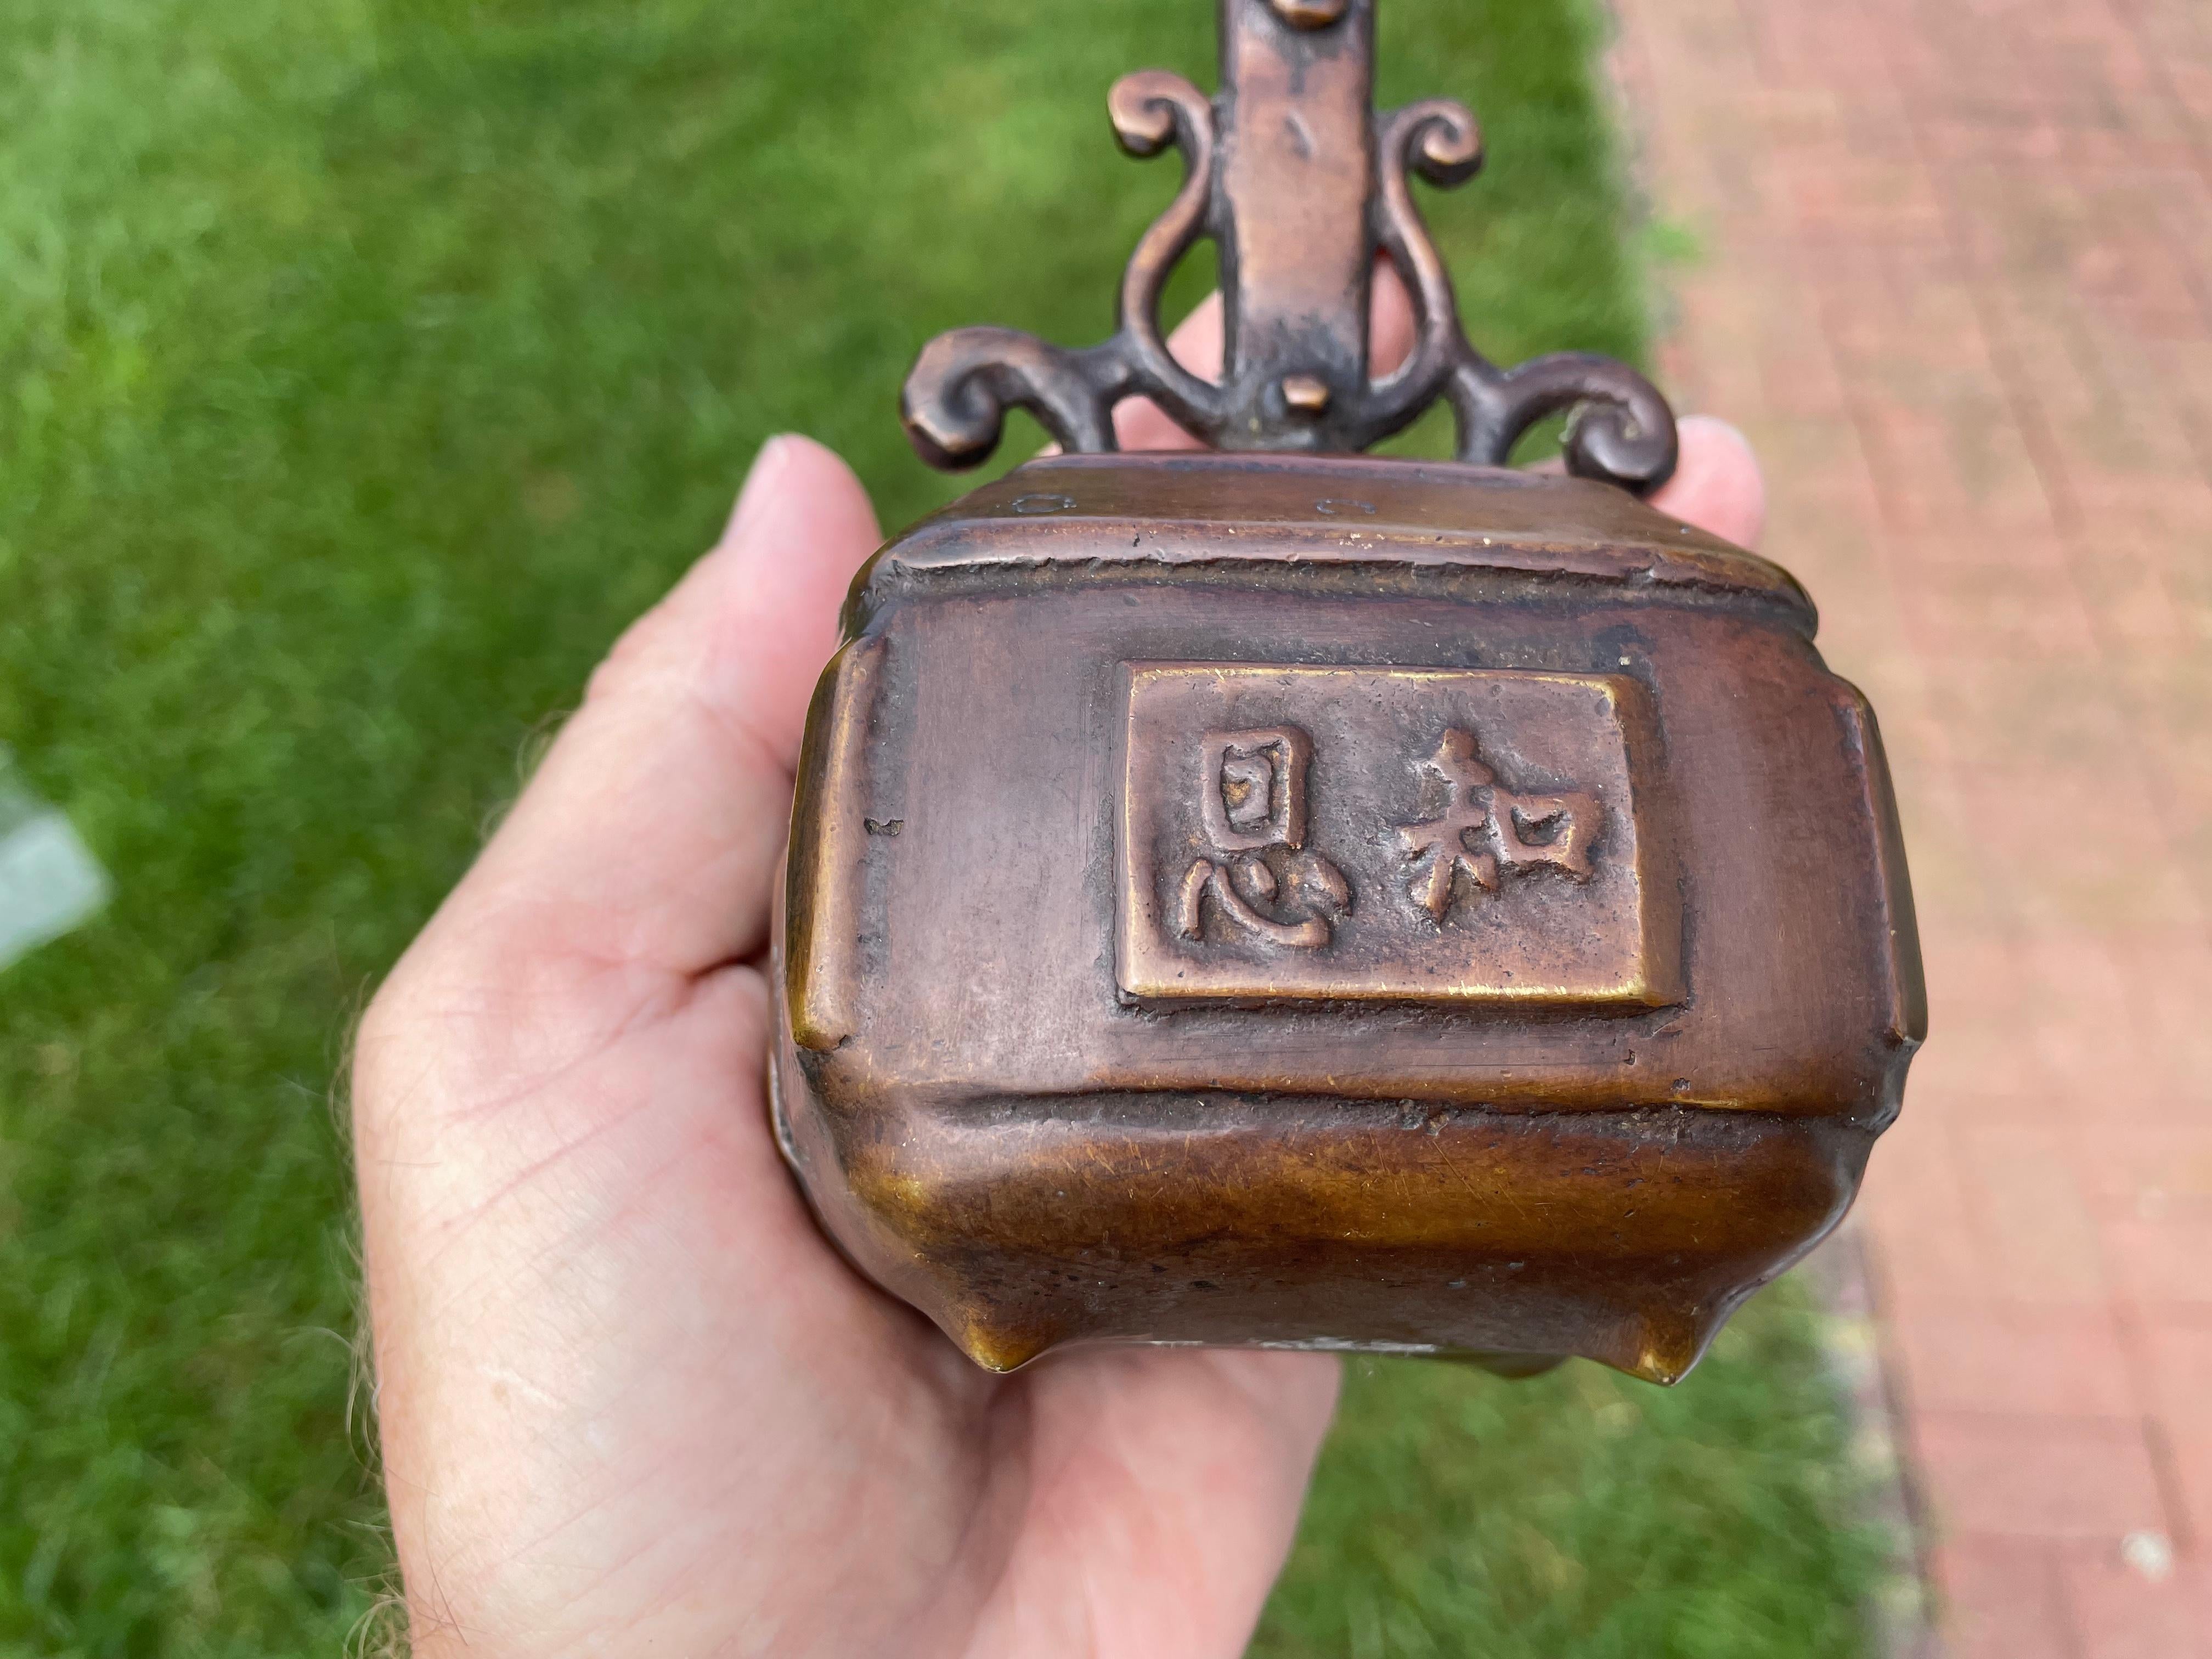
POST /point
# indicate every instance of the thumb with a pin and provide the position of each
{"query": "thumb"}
(650, 832)
(1717, 485)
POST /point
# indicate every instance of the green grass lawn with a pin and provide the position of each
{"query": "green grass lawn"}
(364, 365)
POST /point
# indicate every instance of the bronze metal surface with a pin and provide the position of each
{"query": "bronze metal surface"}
(1320, 901)
(1416, 874)
(1009, 1134)
(1300, 184)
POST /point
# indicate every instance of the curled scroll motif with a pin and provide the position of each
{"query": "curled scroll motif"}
(962, 386)
(958, 391)
(1438, 139)
(1620, 428)
(1149, 109)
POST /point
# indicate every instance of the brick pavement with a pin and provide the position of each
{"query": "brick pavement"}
(1956, 280)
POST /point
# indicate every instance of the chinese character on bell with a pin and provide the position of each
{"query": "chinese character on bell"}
(1485, 826)
(1262, 880)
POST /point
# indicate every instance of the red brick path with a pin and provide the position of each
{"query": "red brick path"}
(1956, 280)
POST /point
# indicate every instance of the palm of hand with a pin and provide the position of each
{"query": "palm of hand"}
(630, 1400)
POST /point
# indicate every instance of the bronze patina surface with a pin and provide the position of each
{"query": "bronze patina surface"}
(1241, 845)
(1300, 184)
(1323, 901)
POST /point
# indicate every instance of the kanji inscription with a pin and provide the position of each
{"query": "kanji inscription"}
(1255, 872)
(1485, 825)
(1389, 833)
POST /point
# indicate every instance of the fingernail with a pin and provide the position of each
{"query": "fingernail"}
(759, 482)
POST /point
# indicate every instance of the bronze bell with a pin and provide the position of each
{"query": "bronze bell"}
(1283, 897)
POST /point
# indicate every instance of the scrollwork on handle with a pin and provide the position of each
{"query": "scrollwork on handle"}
(964, 381)
(1270, 120)
(1621, 430)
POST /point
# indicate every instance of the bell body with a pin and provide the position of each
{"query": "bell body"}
(1334, 902)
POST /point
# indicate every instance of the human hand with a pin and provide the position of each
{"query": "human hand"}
(630, 1400)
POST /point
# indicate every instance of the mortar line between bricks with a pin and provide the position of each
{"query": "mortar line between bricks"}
(1897, 1398)
(2167, 1471)
(2193, 275)
(2032, 179)
(2199, 146)
(2047, 454)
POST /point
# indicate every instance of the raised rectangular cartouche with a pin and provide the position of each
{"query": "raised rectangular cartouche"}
(1307, 899)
